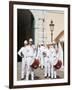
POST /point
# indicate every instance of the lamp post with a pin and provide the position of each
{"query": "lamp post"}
(51, 29)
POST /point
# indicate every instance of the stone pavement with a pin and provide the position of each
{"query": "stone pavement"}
(39, 75)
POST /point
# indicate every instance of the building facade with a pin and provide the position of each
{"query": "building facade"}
(42, 19)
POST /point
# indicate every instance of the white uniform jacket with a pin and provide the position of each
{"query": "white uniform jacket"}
(53, 57)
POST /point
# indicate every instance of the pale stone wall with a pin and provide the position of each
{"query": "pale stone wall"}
(39, 15)
(58, 20)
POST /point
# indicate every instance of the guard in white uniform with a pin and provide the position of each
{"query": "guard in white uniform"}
(47, 63)
(53, 61)
(42, 48)
(30, 59)
(22, 53)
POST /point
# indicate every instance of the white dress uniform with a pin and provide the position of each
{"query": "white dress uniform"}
(29, 60)
(42, 48)
(22, 53)
(52, 61)
(47, 63)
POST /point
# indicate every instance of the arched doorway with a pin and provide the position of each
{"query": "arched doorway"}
(25, 25)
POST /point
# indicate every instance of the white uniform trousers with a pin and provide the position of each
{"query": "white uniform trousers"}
(42, 61)
(29, 70)
(53, 71)
(23, 71)
(47, 67)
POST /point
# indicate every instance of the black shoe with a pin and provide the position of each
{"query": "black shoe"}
(49, 77)
(22, 78)
(45, 76)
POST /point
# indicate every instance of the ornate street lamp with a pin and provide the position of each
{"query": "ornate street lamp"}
(51, 29)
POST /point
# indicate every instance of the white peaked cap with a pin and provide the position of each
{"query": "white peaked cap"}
(53, 42)
(47, 43)
(41, 43)
(30, 39)
(25, 42)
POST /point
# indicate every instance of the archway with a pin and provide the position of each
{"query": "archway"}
(25, 25)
